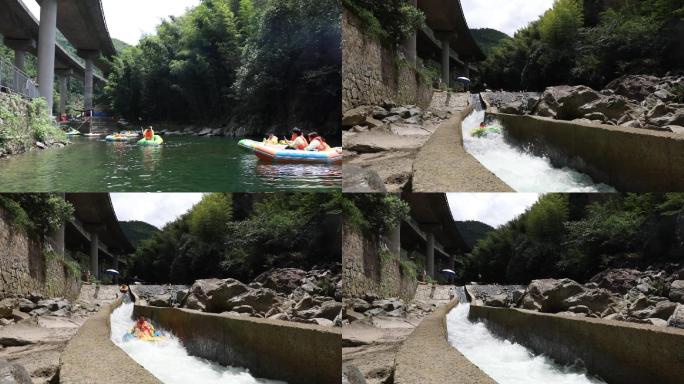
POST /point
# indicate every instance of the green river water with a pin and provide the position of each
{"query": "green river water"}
(182, 163)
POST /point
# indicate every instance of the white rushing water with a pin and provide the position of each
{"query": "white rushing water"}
(523, 171)
(503, 361)
(169, 361)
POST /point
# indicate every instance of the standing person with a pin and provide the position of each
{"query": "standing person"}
(297, 141)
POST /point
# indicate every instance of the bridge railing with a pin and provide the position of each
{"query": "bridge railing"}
(17, 81)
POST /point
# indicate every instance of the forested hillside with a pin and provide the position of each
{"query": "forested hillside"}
(137, 231)
(590, 42)
(488, 38)
(242, 235)
(472, 231)
(579, 235)
(256, 65)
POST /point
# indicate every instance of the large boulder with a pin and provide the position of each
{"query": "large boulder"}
(677, 291)
(617, 280)
(356, 116)
(6, 308)
(597, 300)
(663, 310)
(161, 300)
(677, 318)
(13, 373)
(635, 87)
(516, 107)
(613, 107)
(283, 280)
(500, 300)
(548, 295)
(200, 293)
(220, 297)
(328, 310)
(564, 101)
(261, 299)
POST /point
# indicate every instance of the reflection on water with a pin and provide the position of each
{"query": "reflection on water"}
(180, 164)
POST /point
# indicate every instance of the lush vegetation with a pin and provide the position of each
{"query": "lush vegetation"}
(577, 235)
(268, 64)
(374, 212)
(24, 122)
(472, 231)
(242, 235)
(488, 38)
(39, 214)
(391, 20)
(587, 42)
(137, 231)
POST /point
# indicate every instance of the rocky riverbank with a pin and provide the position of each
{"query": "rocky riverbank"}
(35, 330)
(654, 296)
(289, 294)
(374, 329)
(635, 101)
(381, 141)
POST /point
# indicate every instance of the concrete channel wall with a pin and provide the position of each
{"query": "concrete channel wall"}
(618, 352)
(443, 165)
(294, 352)
(630, 159)
(427, 357)
(91, 357)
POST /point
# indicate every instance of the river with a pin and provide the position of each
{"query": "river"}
(520, 169)
(503, 361)
(170, 362)
(181, 164)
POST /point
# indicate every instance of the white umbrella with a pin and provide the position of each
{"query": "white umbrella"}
(448, 271)
(112, 271)
(464, 79)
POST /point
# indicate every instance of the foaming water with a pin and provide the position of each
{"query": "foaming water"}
(503, 361)
(523, 171)
(169, 361)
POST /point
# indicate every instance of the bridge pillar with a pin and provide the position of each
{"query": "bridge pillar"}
(446, 50)
(58, 237)
(430, 254)
(47, 35)
(88, 81)
(410, 50)
(94, 248)
(20, 47)
(64, 75)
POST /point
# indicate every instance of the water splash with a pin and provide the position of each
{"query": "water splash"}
(503, 361)
(521, 170)
(170, 362)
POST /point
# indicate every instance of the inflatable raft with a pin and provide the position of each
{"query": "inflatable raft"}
(156, 140)
(250, 144)
(277, 154)
(73, 132)
(157, 337)
(117, 137)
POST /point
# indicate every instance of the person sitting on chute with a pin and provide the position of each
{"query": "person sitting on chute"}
(317, 143)
(142, 328)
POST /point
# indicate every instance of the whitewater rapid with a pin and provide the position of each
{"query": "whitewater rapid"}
(521, 170)
(503, 361)
(170, 362)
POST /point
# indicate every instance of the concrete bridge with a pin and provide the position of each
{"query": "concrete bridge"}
(95, 232)
(430, 232)
(445, 39)
(81, 21)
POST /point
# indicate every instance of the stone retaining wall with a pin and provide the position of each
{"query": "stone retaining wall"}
(372, 72)
(630, 159)
(364, 272)
(91, 357)
(618, 352)
(294, 352)
(427, 357)
(25, 268)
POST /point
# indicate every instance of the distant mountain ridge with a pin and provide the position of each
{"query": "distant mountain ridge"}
(488, 38)
(137, 231)
(471, 231)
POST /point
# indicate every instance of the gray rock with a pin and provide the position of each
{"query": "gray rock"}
(663, 310)
(41, 145)
(596, 116)
(391, 119)
(515, 107)
(244, 309)
(379, 112)
(565, 101)
(328, 310)
(162, 300)
(579, 309)
(657, 322)
(261, 299)
(283, 280)
(323, 322)
(10, 341)
(636, 87)
(359, 305)
(402, 112)
(500, 300)
(597, 300)
(5, 322)
(40, 312)
(6, 307)
(305, 303)
(26, 305)
(613, 107)
(13, 373)
(677, 291)
(677, 317)
(388, 304)
(548, 295)
(361, 180)
(356, 116)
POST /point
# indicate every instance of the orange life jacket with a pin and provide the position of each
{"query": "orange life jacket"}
(301, 144)
(322, 145)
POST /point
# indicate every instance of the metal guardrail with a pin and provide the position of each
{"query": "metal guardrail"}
(17, 81)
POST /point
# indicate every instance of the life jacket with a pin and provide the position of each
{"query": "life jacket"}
(300, 143)
(322, 145)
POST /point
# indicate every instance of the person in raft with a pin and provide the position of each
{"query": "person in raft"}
(297, 141)
(271, 139)
(148, 133)
(317, 143)
(142, 328)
